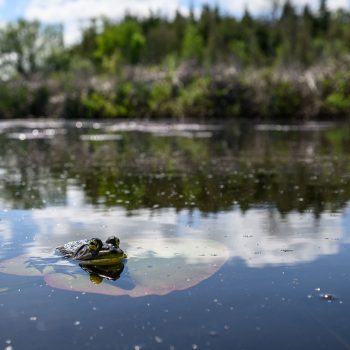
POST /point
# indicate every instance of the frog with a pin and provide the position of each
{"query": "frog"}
(93, 252)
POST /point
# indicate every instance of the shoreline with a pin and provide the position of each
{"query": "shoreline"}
(218, 94)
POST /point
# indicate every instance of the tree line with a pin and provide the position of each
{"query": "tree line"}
(154, 66)
(286, 36)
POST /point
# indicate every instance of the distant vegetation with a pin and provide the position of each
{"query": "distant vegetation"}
(291, 63)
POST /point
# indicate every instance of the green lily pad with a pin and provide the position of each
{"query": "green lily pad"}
(157, 267)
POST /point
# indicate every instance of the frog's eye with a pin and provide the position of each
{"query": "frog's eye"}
(113, 240)
(95, 244)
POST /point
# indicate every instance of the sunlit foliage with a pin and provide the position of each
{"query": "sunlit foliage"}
(289, 63)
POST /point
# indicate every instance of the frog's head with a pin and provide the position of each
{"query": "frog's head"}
(89, 250)
(113, 240)
(94, 252)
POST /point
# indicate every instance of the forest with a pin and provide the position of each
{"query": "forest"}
(288, 64)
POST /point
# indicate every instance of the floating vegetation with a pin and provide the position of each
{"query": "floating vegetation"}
(328, 297)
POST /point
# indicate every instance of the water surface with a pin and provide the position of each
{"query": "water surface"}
(235, 233)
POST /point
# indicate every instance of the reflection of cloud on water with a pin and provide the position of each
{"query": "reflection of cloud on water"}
(191, 251)
(260, 237)
(57, 225)
(346, 225)
(5, 230)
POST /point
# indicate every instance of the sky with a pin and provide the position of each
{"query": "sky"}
(73, 13)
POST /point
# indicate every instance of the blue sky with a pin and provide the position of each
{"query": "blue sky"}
(10, 10)
(72, 13)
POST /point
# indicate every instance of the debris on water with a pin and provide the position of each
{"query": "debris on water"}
(328, 297)
(213, 333)
(158, 339)
(8, 345)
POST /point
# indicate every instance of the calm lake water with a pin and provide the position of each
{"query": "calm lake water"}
(237, 235)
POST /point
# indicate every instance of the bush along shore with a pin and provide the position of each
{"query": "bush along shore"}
(188, 92)
(290, 63)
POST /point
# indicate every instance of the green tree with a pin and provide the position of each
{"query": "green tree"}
(161, 41)
(193, 44)
(88, 44)
(124, 40)
(288, 25)
(324, 17)
(26, 46)
(305, 52)
(245, 45)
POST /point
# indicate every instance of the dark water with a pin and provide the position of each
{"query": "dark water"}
(235, 234)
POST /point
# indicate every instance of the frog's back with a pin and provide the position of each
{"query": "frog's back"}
(67, 250)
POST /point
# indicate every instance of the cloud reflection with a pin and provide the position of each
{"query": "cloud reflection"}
(262, 238)
(259, 237)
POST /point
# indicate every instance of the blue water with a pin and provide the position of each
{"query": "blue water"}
(283, 221)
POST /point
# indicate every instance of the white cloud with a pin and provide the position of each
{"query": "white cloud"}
(265, 6)
(67, 10)
(73, 12)
(333, 4)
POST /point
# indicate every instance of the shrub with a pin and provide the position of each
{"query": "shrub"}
(284, 99)
(14, 101)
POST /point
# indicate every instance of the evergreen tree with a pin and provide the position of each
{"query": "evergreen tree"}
(289, 29)
(324, 17)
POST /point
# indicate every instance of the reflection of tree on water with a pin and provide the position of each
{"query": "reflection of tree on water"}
(306, 171)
